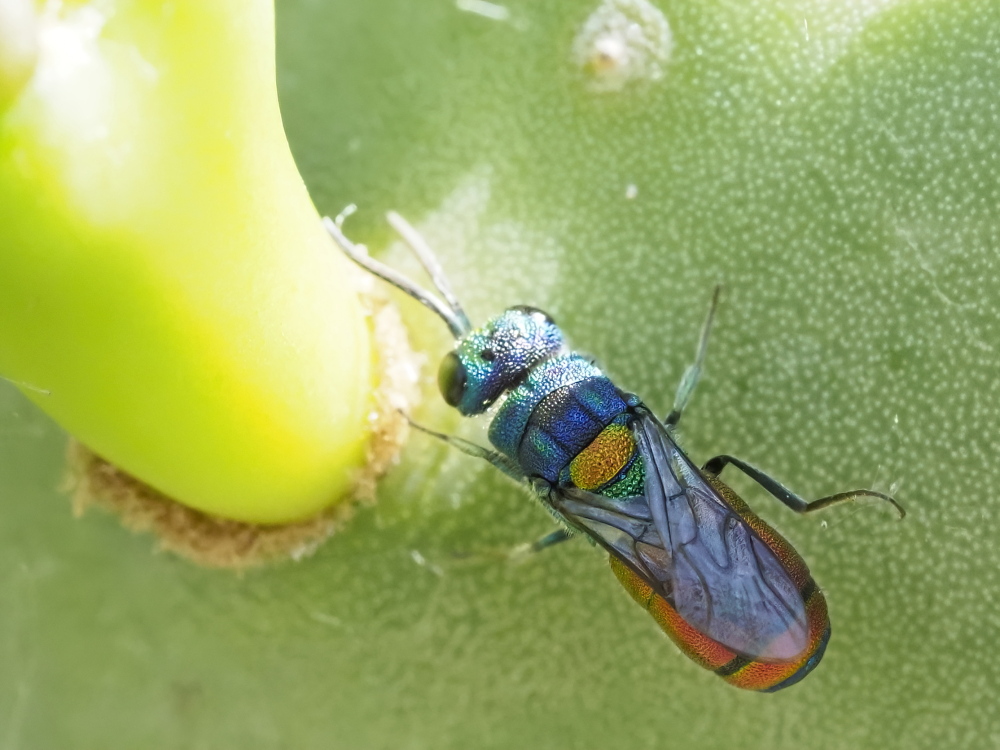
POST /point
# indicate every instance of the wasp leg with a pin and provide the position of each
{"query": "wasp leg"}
(522, 552)
(693, 373)
(499, 460)
(549, 540)
(552, 539)
(777, 489)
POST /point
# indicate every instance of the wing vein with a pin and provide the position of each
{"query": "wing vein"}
(698, 553)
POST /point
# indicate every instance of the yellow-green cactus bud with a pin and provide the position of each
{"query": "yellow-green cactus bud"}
(167, 292)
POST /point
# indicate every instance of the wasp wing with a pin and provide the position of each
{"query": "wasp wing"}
(687, 543)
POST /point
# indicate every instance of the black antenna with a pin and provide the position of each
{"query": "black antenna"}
(452, 312)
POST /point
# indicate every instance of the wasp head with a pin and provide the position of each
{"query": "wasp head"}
(496, 357)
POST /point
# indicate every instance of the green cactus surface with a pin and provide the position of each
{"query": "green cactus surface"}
(836, 165)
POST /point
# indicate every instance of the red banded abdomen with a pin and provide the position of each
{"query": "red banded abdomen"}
(739, 669)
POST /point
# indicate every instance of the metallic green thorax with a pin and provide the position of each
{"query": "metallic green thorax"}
(495, 358)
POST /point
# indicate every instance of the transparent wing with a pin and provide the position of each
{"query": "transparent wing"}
(695, 551)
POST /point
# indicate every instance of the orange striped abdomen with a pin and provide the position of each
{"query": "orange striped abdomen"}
(734, 668)
(741, 670)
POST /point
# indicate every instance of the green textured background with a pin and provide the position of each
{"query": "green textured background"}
(835, 164)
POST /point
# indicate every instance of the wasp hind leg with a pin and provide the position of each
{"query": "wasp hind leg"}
(693, 373)
(777, 489)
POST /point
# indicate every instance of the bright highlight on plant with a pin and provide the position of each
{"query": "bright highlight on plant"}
(166, 289)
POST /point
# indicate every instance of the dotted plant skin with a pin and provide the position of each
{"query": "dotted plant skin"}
(833, 164)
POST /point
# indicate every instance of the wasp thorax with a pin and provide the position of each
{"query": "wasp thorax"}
(497, 357)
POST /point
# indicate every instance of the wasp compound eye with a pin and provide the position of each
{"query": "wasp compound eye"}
(452, 378)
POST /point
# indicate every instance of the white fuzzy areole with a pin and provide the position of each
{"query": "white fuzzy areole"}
(623, 41)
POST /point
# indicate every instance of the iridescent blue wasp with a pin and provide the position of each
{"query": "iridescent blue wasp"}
(728, 589)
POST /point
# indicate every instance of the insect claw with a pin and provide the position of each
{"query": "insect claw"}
(882, 496)
(899, 508)
(879, 496)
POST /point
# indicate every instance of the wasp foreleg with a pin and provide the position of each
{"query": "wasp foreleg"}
(715, 466)
(506, 465)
